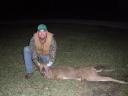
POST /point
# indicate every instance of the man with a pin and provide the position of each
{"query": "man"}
(42, 48)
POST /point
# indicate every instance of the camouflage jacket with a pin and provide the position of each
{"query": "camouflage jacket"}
(52, 50)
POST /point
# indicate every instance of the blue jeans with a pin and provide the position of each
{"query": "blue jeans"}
(27, 53)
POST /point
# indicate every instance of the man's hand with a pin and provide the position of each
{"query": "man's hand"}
(49, 63)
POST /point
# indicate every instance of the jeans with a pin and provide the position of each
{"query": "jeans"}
(27, 53)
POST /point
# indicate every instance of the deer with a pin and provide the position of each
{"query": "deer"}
(89, 73)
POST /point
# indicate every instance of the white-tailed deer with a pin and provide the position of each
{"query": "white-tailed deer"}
(67, 72)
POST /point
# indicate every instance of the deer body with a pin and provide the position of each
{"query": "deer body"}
(67, 72)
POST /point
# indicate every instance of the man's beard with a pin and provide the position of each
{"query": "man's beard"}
(43, 40)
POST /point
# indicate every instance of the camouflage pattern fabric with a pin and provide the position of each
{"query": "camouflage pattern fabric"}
(52, 50)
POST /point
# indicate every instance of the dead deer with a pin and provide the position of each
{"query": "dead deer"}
(67, 72)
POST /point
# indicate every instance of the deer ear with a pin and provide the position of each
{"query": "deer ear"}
(43, 66)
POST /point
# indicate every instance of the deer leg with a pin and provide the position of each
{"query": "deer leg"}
(103, 78)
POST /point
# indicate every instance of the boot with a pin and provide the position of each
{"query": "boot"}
(28, 75)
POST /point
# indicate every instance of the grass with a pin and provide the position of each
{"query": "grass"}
(77, 45)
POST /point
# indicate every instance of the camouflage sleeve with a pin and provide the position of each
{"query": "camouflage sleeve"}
(34, 53)
(52, 51)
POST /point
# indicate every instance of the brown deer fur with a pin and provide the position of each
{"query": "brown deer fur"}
(67, 72)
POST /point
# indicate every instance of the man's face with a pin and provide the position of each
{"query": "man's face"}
(42, 34)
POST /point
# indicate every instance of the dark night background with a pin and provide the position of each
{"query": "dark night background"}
(112, 10)
(87, 32)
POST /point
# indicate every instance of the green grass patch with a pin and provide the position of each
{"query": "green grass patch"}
(77, 45)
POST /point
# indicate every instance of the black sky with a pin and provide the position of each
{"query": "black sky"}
(76, 9)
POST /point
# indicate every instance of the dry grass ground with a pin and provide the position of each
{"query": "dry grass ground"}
(77, 45)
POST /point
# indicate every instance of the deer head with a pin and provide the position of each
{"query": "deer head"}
(43, 68)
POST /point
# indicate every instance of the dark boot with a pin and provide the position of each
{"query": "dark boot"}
(28, 75)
